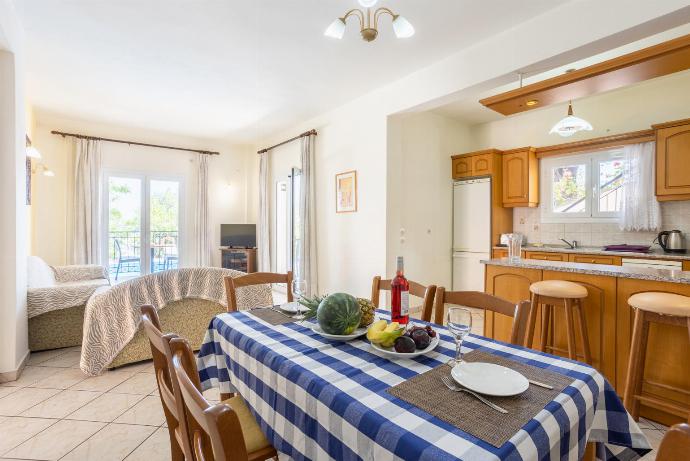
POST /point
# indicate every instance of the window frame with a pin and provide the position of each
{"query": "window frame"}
(592, 161)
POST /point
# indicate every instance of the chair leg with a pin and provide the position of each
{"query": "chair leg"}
(546, 313)
(570, 329)
(531, 321)
(583, 332)
(117, 271)
(635, 375)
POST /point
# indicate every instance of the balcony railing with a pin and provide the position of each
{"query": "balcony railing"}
(124, 252)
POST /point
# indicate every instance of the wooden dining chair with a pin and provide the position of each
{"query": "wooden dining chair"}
(488, 302)
(256, 278)
(226, 431)
(416, 289)
(169, 395)
(676, 444)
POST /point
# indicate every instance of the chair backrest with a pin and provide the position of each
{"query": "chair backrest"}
(676, 444)
(216, 432)
(479, 300)
(167, 386)
(118, 249)
(256, 278)
(416, 289)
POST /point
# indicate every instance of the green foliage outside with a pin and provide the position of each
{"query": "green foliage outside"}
(566, 188)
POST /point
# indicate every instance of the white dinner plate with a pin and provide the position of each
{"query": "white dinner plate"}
(293, 308)
(390, 352)
(316, 328)
(489, 379)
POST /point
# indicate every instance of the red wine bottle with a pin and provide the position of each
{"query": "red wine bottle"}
(400, 294)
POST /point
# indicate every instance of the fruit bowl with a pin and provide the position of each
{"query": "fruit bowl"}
(355, 334)
(390, 352)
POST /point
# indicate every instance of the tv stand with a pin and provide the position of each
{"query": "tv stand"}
(239, 259)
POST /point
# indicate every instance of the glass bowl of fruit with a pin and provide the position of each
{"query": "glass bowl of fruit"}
(394, 340)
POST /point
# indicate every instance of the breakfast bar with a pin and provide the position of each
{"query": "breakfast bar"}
(609, 321)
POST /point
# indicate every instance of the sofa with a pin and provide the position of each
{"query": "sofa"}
(56, 299)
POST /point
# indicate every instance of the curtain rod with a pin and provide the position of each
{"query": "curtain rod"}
(133, 143)
(305, 134)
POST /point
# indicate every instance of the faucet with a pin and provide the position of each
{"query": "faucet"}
(573, 246)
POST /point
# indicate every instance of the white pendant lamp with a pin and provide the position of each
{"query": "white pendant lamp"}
(402, 27)
(570, 124)
(369, 22)
(368, 3)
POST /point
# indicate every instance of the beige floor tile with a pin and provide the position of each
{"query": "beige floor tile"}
(148, 411)
(66, 360)
(141, 383)
(31, 375)
(24, 399)
(7, 390)
(112, 443)
(61, 405)
(654, 437)
(63, 379)
(16, 430)
(102, 383)
(141, 367)
(106, 408)
(36, 358)
(56, 441)
(155, 448)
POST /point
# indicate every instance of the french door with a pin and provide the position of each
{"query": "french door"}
(142, 222)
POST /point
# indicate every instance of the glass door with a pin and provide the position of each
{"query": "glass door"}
(143, 225)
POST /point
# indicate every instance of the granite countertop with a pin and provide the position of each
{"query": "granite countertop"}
(654, 253)
(657, 275)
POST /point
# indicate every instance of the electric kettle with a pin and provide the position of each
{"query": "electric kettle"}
(671, 241)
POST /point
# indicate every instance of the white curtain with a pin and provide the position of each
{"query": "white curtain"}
(640, 210)
(306, 268)
(86, 218)
(263, 231)
(201, 215)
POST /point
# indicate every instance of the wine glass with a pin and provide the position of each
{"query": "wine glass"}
(459, 324)
(299, 290)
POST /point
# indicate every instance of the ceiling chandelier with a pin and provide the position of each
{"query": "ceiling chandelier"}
(369, 21)
(570, 124)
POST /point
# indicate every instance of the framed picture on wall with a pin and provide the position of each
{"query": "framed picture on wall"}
(346, 192)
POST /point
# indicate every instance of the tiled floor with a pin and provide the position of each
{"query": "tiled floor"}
(55, 412)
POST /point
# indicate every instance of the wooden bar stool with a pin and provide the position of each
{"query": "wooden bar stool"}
(652, 307)
(550, 294)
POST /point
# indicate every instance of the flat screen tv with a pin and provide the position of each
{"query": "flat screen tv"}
(238, 235)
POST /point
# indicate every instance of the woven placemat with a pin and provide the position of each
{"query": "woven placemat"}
(271, 316)
(462, 410)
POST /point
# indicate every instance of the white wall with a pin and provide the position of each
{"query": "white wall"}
(420, 193)
(353, 247)
(13, 318)
(228, 174)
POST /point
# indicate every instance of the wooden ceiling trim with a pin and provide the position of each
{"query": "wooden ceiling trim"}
(656, 61)
(604, 142)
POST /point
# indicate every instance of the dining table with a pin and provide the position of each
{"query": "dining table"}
(319, 399)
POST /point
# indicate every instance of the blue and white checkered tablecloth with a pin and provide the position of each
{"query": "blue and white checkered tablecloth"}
(318, 399)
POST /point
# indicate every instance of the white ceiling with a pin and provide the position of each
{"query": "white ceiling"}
(232, 69)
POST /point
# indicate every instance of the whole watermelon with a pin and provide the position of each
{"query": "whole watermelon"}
(339, 314)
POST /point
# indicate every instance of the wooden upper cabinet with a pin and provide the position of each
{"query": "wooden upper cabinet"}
(673, 160)
(472, 164)
(520, 178)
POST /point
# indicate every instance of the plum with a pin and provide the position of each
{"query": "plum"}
(421, 338)
(405, 344)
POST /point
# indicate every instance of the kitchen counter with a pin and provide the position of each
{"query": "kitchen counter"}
(656, 275)
(654, 253)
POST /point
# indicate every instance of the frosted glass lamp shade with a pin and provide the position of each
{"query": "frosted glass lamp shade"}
(32, 152)
(368, 3)
(336, 29)
(49, 173)
(402, 27)
(570, 125)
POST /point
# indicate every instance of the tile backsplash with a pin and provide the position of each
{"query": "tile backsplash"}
(527, 221)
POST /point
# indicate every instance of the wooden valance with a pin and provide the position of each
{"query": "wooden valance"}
(604, 142)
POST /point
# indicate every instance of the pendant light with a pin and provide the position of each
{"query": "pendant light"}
(369, 22)
(570, 124)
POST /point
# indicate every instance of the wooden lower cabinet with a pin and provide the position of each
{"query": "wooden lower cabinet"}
(546, 256)
(686, 265)
(667, 368)
(498, 254)
(596, 259)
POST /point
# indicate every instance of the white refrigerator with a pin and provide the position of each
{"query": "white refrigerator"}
(471, 232)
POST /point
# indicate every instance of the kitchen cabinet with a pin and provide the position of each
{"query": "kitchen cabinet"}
(673, 160)
(595, 259)
(475, 164)
(686, 265)
(546, 256)
(499, 253)
(520, 178)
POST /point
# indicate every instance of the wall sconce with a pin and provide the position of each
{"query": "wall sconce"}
(41, 167)
(33, 154)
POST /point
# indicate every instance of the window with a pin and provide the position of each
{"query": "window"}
(582, 188)
(288, 223)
